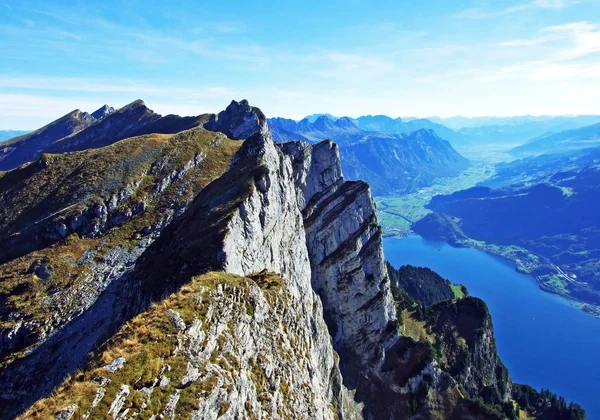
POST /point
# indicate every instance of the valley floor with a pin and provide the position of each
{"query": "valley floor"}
(398, 213)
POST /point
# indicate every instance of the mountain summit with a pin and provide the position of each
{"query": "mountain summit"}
(102, 112)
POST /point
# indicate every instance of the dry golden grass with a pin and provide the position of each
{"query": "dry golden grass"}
(415, 329)
(148, 342)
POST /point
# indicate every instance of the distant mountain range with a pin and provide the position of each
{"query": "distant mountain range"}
(564, 141)
(549, 122)
(313, 117)
(390, 162)
(317, 129)
(463, 133)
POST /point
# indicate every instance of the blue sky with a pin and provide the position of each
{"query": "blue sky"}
(291, 58)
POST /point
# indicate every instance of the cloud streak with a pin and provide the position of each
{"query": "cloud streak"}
(482, 13)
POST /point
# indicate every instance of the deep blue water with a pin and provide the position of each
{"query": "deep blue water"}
(543, 339)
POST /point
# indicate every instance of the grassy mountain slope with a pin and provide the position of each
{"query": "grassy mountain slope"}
(116, 197)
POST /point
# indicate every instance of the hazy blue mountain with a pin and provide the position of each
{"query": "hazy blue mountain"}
(563, 141)
(509, 132)
(541, 168)
(400, 163)
(546, 122)
(342, 130)
(283, 130)
(389, 162)
(9, 134)
(312, 118)
(385, 124)
(324, 127)
(381, 123)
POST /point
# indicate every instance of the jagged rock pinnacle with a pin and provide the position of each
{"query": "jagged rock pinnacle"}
(239, 121)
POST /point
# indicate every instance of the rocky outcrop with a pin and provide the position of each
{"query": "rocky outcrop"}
(102, 112)
(239, 121)
(266, 231)
(466, 336)
(230, 347)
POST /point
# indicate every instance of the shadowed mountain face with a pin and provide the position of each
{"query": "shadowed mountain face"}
(29, 147)
(390, 163)
(123, 123)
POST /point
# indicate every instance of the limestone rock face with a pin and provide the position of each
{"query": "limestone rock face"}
(266, 231)
(346, 255)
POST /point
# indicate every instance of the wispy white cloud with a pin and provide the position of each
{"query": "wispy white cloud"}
(564, 42)
(483, 13)
(541, 4)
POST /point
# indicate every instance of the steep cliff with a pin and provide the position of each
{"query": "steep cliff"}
(346, 255)
(257, 225)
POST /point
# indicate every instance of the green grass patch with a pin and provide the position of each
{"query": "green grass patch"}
(457, 290)
(396, 214)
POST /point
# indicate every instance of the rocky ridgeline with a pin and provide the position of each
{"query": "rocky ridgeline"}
(232, 347)
(314, 335)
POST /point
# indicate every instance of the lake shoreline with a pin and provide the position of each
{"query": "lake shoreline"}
(520, 267)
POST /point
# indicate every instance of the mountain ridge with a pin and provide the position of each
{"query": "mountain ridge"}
(564, 141)
(181, 269)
